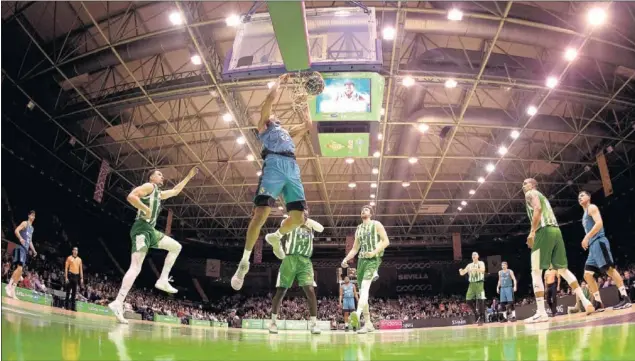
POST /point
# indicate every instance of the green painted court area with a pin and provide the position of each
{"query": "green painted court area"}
(32, 334)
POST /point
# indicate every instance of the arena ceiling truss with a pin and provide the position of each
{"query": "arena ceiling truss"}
(125, 90)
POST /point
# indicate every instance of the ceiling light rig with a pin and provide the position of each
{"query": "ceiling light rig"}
(408, 81)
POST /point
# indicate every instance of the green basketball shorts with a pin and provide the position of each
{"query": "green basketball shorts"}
(144, 236)
(476, 291)
(295, 267)
(366, 268)
(548, 250)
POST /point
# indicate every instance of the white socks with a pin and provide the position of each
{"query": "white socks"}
(274, 317)
(131, 275)
(246, 255)
(623, 291)
(313, 320)
(596, 295)
(363, 296)
(540, 305)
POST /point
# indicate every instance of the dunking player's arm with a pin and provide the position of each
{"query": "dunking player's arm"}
(594, 212)
(265, 111)
(179, 187)
(534, 201)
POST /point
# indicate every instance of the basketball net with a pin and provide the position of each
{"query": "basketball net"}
(299, 95)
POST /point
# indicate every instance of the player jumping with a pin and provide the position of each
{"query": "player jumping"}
(297, 266)
(370, 240)
(506, 288)
(24, 233)
(600, 259)
(147, 199)
(348, 296)
(547, 249)
(475, 296)
(280, 175)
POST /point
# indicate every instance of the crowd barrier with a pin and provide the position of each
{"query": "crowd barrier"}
(27, 295)
(260, 324)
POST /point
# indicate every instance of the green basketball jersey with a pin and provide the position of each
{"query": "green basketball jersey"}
(547, 217)
(473, 274)
(300, 242)
(368, 237)
(153, 201)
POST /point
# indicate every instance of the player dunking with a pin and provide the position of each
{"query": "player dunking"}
(475, 296)
(370, 240)
(547, 249)
(506, 288)
(348, 296)
(147, 199)
(600, 259)
(24, 233)
(280, 175)
(297, 266)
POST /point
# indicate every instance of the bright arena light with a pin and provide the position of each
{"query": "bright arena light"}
(405, 184)
(389, 33)
(350, 160)
(532, 110)
(380, 136)
(408, 81)
(412, 160)
(227, 117)
(552, 82)
(372, 204)
(502, 150)
(375, 170)
(240, 140)
(372, 196)
(472, 191)
(382, 111)
(481, 180)
(490, 167)
(259, 173)
(352, 185)
(176, 18)
(271, 84)
(464, 203)
(514, 134)
(373, 185)
(233, 20)
(423, 127)
(450, 83)
(280, 208)
(596, 16)
(250, 157)
(376, 154)
(459, 208)
(196, 59)
(570, 54)
(455, 15)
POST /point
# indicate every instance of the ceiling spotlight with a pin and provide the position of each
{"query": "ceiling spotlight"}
(342, 13)
(285, 216)
(490, 167)
(376, 154)
(240, 140)
(373, 185)
(380, 136)
(196, 59)
(532, 110)
(375, 170)
(408, 81)
(372, 196)
(450, 83)
(502, 150)
(250, 157)
(596, 16)
(352, 185)
(271, 84)
(259, 173)
(459, 208)
(472, 191)
(481, 180)
(552, 82)
(382, 111)
(176, 18)
(405, 184)
(350, 160)
(514, 134)
(455, 15)
(412, 160)
(280, 208)
(389, 33)
(227, 117)
(570, 54)
(587, 168)
(372, 204)
(423, 127)
(233, 20)
(464, 203)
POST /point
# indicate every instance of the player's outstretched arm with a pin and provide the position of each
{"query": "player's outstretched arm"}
(134, 198)
(179, 187)
(265, 111)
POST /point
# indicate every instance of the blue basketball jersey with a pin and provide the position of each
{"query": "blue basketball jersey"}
(276, 139)
(506, 279)
(588, 223)
(347, 290)
(26, 235)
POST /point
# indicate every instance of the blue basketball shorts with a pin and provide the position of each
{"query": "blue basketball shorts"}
(507, 294)
(348, 304)
(280, 176)
(19, 256)
(600, 258)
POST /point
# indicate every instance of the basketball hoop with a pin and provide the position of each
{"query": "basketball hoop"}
(304, 85)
